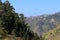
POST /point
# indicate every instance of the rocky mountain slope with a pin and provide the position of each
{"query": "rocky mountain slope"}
(43, 23)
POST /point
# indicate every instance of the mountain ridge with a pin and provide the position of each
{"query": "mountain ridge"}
(43, 23)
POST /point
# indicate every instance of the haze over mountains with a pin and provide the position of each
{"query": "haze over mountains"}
(43, 23)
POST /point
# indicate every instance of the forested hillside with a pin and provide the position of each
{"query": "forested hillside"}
(12, 24)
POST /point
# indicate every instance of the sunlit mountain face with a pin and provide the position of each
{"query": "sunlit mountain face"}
(44, 23)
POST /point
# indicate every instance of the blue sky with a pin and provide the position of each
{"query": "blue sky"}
(36, 7)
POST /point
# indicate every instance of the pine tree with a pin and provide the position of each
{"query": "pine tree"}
(8, 17)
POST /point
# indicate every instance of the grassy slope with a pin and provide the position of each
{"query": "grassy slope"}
(57, 37)
(53, 34)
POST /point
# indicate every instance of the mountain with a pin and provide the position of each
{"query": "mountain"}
(43, 23)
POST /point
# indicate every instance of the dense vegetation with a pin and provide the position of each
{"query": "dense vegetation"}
(12, 24)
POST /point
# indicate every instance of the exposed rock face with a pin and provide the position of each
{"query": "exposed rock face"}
(44, 23)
